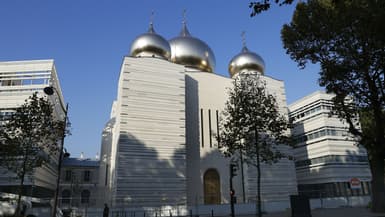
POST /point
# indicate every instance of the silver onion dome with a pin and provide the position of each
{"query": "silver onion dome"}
(246, 61)
(150, 44)
(190, 51)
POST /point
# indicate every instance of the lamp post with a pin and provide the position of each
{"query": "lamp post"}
(50, 91)
(243, 176)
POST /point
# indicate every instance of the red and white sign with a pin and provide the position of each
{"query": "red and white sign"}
(355, 183)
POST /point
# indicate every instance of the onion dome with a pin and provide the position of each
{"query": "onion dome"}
(246, 61)
(150, 44)
(190, 51)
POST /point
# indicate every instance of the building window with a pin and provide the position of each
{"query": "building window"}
(334, 159)
(210, 136)
(202, 130)
(106, 179)
(68, 175)
(87, 176)
(337, 189)
(65, 195)
(85, 196)
(217, 118)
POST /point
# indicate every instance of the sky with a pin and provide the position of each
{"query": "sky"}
(89, 38)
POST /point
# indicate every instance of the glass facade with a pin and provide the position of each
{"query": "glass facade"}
(335, 189)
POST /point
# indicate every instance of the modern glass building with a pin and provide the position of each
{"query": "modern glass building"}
(18, 81)
(327, 158)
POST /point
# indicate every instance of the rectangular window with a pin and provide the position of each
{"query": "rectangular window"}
(87, 176)
(333, 132)
(365, 186)
(202, 132)
(106, 180)
(217, 116)
(68, 175)
(310, 136)
(338, 190)
(210, 136)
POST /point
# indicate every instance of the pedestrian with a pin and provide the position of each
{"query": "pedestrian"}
(106, 210)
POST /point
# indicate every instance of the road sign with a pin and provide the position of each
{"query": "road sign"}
(355, 183)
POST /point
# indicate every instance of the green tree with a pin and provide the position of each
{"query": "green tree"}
(347, 39)
(28, 139)
(264, 5)
(251, 114)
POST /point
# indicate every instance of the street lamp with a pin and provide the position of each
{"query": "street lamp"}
(50, 91)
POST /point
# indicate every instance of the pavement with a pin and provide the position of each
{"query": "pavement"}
(332, 212)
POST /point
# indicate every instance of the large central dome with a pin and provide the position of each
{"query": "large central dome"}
(190, 51)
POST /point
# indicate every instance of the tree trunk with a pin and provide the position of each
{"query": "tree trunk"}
(377, 162)
(243, 180)
(258, 176)
(20, 190)
(378, 185)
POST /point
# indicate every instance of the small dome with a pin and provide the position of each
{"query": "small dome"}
(246, 61)
(190, 51)
(150, 44)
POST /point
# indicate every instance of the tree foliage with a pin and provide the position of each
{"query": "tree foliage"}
(346, 38)
(29, 138)
(264, 5)
(250, 108)
(252, 125)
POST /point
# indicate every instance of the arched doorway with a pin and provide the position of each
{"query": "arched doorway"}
(212, 187)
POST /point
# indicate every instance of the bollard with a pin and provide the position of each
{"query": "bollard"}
(170, 212)
(190, 212)
(212, 213)
(144, 214)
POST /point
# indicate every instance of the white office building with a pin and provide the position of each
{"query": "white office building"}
(159, 148)
(18, 81)
(328, 160)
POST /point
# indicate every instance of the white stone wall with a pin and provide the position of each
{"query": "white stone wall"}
(207, 93)
(150, 153)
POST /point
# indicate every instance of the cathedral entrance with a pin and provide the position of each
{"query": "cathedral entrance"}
(212, 187)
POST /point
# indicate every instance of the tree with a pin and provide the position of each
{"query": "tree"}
(346, 38)
(251, 114)
(28, 139)
(264, 5)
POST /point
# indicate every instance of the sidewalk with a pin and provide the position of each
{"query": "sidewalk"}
(333, 212)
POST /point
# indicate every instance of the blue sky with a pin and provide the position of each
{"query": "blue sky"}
(88, 39)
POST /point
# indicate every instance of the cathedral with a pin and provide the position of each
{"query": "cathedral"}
(159, 148)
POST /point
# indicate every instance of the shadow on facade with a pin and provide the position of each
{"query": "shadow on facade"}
(149, 176)
(192, 142)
